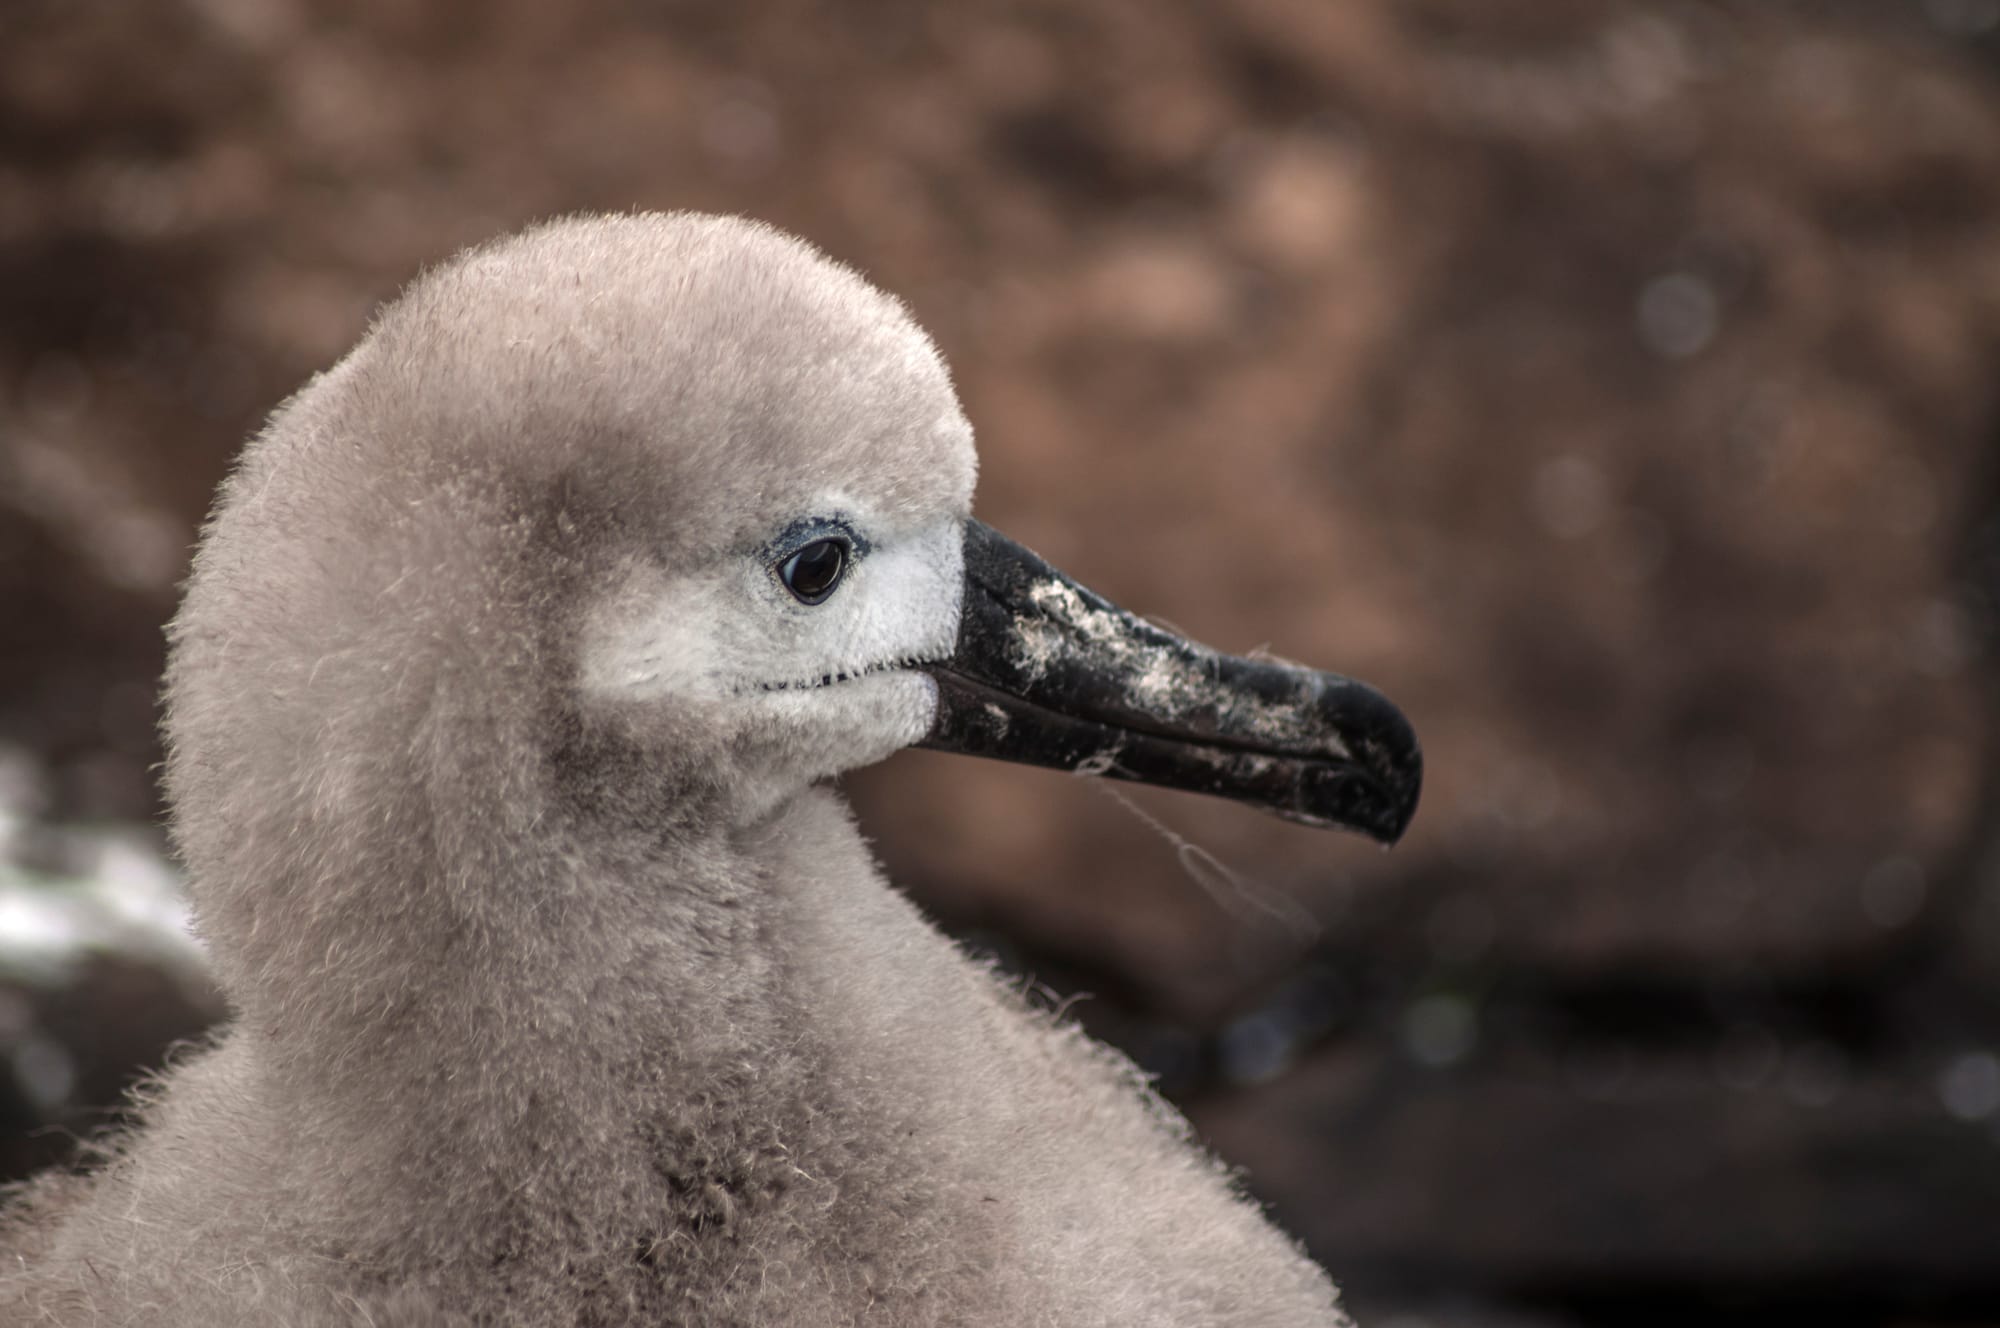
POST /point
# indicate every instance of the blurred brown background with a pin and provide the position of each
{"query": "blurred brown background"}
(1612, 384)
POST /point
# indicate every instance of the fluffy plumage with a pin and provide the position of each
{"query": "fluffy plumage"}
(565, 991)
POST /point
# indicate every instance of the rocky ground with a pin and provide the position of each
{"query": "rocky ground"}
(1612, 384)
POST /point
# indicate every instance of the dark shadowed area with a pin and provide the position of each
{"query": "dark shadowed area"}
(1613, 385)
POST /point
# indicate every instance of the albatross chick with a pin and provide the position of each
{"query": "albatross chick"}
(500, 713)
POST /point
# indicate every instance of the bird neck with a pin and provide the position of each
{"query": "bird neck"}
(569, 966)
(641, 1009)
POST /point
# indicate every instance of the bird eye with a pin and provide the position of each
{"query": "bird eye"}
(812, 573)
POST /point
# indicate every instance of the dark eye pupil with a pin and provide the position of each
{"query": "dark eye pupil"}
(813, 572)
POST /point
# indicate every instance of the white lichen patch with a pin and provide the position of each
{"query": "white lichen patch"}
(1176, 682)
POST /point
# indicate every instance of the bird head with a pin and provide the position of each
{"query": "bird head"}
(652, 522)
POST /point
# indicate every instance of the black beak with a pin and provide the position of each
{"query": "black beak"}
(1048, 673)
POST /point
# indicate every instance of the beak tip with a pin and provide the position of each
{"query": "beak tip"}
(1394, 828)
(1378, 801)
(1405, 789)
(1403, 799)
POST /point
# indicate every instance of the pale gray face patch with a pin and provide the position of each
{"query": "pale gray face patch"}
(832, 685)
